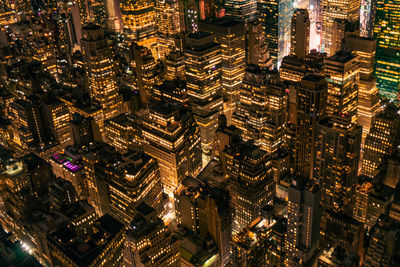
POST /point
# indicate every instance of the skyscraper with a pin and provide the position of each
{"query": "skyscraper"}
(336, 165)
(275, 17)
(139, 21)
(113, 18)
(387, 31)
(261, 112)
(257, 46)
(304, 217)
(342, 72)
(348, 10)
(251, 182)
(172, 137)
(203, 76)
(300, 34)
(311, 106)
(368, 95)
(230, 35)
(242, 10)
(381, 140)
(100, 72)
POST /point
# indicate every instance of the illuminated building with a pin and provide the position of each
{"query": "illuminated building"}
(242, 10)
(342, 72)
(113, 18)
(311, 106)
(83, 130)
(171, 91)
(205, 209)
(230, 35)
(275, 16)
(251, 245)
(145, 69)
(336, 163)
(348, 10)
(104, 246)
(83, 10)
(386, 31)
(367, 17)
(57, 119)
(251, 182)
(123, 133)
(189, 15)
(175, 66)
(172, 137)
(368, 96)
(360, 201)
(261, 112)
(62, 193)
(139, 21)
(303, 222)
(300, 33)
(256, 46)
(98, 13)
(203, 76)
(148, 241)
(100, 71)
(382, 139)
(336, 256)
(168, 26)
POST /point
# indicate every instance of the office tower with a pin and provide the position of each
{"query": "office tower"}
(367, 18)
(311, 106)
(383, 245)
(171, 91)
(386, 31)
(257, 51)
(336, 163)
(261, 112)
(205, 209)
(83, 10)
(241, 10)
(368, 96)
(172, 137)
(27, 125)
(113, 18)
(245, 253)
(347, 10)
(275, 16)
(382, 139)
(175, 66)
(251, 182)
(61, 193)
(57, 118)
(203, 76)
(103, 246)
(300, 34)
(303, 222)
(39, 173)
(98, 13)
(145, 70)
(342, 72)
(123, 133)
(189, 15)
(230, 35)
(139, 21)
(100, 69)
(168, 26)
(148, 241)
(83, 130)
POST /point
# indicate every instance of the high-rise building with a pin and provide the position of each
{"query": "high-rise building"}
(311, 107)
(367, 18)
(57, 118)
(113, 18)
(300, 33)
(205, 209)
(241, 10)
(383, 137)
(275, 17)
(368, 95)
(100, 71)
(342, 72)
(386, 31)
(148, 241)
(175, 66)
(348, 10)
(172, 137)
(251, 183)
(189, 15)
(203, 76)
(257, 51)
(168, 26)
(230, 35)
(336, 163)
(139, 22)
(261, 112)
(303, 222)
